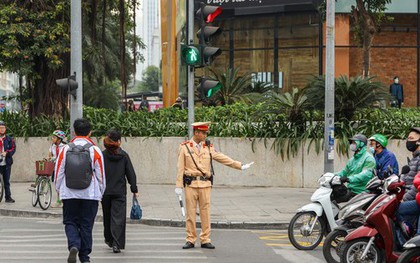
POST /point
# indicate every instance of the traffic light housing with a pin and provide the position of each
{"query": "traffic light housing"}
(68, 84)
(208, 87)
(191, 55)
(206, 14)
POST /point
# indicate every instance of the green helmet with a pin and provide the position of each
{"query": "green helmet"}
(382, 140)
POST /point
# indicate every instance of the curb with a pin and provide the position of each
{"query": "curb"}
(155, 221)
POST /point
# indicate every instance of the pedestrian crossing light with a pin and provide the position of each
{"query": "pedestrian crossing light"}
(68, 84)
(208, 87)
(191, 55)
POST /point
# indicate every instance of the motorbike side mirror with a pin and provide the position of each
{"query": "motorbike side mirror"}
(405, 169)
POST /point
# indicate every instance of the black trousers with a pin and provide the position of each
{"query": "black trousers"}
(114, 209)
(5, 171)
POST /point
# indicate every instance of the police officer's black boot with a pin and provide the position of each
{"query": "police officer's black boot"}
(188, 245)
(208, 246)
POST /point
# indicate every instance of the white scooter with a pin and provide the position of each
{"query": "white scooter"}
(314, 220)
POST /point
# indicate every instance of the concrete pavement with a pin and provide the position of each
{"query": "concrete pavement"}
(232, 207)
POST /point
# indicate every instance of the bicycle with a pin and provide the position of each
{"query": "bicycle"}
(41, 189)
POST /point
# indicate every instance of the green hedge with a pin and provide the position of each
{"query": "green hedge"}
(236, 120)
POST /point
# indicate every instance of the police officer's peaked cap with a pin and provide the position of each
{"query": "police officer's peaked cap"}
(2, 123)
(201, 126)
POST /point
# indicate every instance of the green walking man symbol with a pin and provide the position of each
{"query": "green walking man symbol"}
(193, 55)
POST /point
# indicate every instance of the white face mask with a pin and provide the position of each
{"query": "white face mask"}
(353, 147)
(396, 81)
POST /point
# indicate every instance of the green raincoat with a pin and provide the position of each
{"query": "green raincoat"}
(359, 170)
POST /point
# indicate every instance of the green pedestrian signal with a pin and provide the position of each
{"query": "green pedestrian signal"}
(208, 87)
(191, 55)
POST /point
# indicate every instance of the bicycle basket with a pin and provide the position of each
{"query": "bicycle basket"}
(44, 168)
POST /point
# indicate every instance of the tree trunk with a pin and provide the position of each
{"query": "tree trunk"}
(369, 29)
(47, 98)
(134, 46)
(122, 52)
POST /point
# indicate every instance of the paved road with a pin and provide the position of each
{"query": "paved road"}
(35, 240)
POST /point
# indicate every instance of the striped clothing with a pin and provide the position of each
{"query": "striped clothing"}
(98, 184)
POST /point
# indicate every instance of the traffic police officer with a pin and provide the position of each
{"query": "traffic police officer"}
(194, 174)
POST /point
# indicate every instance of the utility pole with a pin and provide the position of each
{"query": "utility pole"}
(190, 68)
(76, 103)
(329, 89)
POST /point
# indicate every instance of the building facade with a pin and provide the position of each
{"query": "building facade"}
(283, 42)
(148, 28)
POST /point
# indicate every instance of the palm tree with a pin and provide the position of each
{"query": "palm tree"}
(234, 88)
(350, 94)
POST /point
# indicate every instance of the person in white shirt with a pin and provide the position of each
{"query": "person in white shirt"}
(58, 143)
(80, 205)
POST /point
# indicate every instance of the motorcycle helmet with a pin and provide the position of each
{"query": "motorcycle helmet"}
(379, 138)
(359, 137)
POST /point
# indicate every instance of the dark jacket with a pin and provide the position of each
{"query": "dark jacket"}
(408, 178)
(385, 159)
(119, 169)
(9, 148)
(397, 91)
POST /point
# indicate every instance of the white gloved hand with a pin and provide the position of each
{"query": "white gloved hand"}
(246, 166)
(178, 191)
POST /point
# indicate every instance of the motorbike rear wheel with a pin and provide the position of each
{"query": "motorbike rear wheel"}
(300, 234)
(410, 256)
(353, 251)
(333, 246)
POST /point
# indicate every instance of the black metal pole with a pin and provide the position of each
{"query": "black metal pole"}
(276, 51)
(418, 52)
(320, 44)
(231, 45)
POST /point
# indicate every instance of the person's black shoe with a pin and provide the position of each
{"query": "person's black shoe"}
(10, 200)
(188, 245)
(208, 246)
(108, 243)
(72, 255)
(116, 249)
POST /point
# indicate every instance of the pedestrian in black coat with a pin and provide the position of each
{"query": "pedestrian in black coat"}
(119, 170)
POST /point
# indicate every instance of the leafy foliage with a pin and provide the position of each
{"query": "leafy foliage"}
(237, 120)
(234, 89)
(151, 79)
(350, 94)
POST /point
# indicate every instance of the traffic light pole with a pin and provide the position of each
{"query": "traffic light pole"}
(329, 89)
(76, 110)
(190, 69)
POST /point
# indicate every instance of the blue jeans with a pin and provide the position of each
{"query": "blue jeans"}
(78, 218)
(409, 209)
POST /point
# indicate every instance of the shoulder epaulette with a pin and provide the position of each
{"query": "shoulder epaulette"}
(186, 142)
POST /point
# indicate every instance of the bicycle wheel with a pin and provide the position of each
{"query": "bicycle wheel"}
(44, 193)
(35, 192)
(1, 187)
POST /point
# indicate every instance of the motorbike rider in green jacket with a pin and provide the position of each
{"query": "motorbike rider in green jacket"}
(359, 169)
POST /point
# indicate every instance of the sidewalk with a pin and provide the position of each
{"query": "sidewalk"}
(232, 207)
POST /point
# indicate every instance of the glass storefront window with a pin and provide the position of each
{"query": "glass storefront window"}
(297, 66)
(254, 61)
(298, 30)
